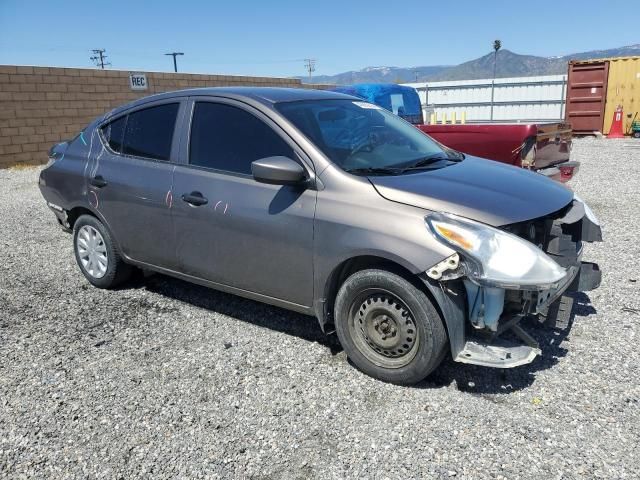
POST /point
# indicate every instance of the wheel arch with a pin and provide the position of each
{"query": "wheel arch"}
(448, 299)
(351, 265)
(77, 211)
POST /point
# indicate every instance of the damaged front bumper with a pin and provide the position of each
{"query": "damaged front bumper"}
(494, 349)
(491, 334)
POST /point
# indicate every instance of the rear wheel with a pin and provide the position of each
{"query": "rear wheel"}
(97, 255)
(388, 327)
(636, 134)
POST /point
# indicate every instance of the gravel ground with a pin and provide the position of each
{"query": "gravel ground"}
(165, 379)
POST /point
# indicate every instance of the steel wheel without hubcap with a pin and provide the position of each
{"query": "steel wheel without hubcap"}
(383, 329)
(92, 251)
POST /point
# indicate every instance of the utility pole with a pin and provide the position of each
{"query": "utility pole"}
(99, 57)
(174, 55)
(310, 65)
(496, 46)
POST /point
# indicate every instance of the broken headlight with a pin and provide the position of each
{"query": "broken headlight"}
(493, 257)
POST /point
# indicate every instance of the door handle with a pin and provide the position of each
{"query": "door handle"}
(98, 181)
(194, 198)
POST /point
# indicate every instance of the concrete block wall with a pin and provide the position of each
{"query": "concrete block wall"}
(40, 106)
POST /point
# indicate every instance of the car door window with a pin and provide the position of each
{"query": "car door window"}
(149, 132)
(114, 132)
(228, 138)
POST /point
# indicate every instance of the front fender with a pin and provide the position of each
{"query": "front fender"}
(451, 304)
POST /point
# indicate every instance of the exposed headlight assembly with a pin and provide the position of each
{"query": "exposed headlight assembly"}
(493, 257)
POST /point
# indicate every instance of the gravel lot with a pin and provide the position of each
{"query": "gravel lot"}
(165, 379)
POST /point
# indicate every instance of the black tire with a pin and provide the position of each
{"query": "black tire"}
(117, 271)
(361, 326)
(636, 134)
(559, 313)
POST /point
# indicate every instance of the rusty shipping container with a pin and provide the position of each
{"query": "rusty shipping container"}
(596, 88)
(586, 94)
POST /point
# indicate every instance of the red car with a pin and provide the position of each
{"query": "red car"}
(544, 148)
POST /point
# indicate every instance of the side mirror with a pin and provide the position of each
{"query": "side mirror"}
(278, 171)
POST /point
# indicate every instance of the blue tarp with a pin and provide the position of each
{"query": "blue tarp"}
(401, 100)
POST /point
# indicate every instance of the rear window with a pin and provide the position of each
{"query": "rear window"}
(114, 132)
(149, 132)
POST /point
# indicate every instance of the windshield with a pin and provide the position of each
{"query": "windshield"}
(363, 138)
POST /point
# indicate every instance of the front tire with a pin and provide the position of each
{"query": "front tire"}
(388, 327)
(97, 255)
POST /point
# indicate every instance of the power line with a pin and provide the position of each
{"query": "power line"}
(310, 66)
(174, 55)
(99, 57)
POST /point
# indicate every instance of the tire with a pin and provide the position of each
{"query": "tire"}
(388, 327)
(97, 255)
(636, 134)
(559, 313)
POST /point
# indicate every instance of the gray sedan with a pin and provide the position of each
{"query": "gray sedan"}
(325, 204)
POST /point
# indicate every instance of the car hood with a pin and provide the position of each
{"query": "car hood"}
(482, 190)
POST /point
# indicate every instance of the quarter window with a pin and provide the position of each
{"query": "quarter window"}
(149, 132)
(229, 139)
(114, 132)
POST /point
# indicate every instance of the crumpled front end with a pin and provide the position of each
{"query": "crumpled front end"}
(483, 281)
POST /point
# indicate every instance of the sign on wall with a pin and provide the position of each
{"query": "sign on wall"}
(138, 81)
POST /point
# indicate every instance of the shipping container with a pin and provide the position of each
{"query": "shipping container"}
(586, 94)
(623, 88)
(596, 88)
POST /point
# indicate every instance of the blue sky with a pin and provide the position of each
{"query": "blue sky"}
(271, 37)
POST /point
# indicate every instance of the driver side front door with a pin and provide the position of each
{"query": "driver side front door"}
(230, 229)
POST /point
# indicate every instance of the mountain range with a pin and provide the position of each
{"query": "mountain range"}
(509, 64)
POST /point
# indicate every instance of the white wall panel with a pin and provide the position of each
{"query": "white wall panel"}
(537, 98)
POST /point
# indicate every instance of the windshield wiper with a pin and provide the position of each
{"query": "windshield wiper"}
(375, 171)
(420, 164)
(431, 159)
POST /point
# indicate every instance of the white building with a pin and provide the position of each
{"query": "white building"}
(516, 99)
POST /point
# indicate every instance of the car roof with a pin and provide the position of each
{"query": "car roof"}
(265, 95)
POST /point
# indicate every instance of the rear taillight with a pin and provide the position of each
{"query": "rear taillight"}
(53, 157)
(566, 173)
(57, 152)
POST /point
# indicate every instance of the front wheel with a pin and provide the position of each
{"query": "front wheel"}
(388, 327)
